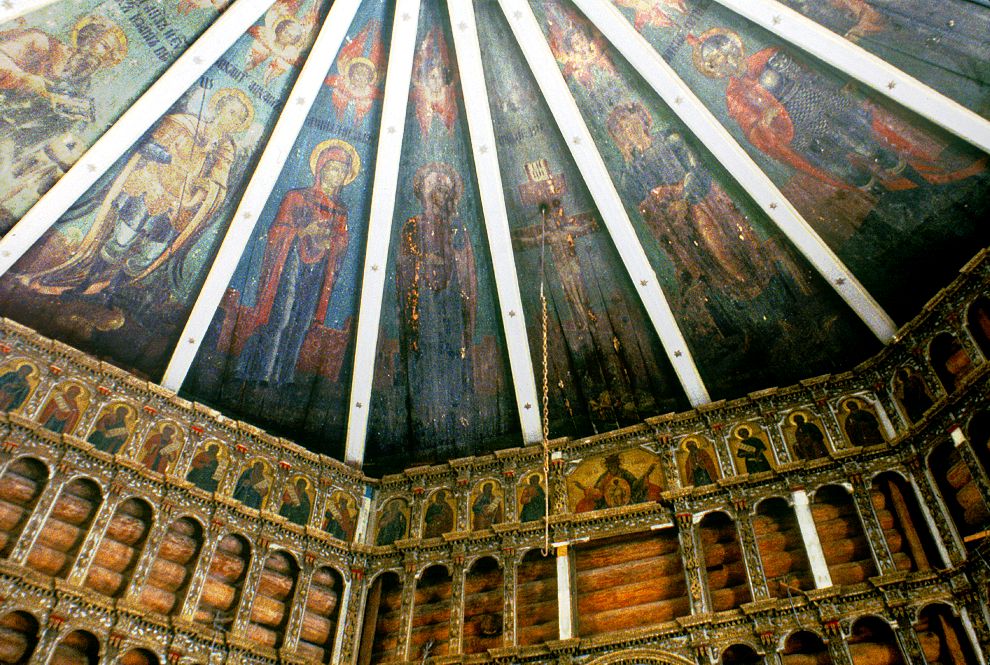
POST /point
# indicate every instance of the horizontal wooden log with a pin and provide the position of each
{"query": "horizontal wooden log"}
(776, 564)
(822, 658)
(65, 655)
(262, 635)
(269, 612)
(780, 541)
(958, 474)
(537, 633)
(311, 653)
(137, 657)
(19, 488)
(234, 545)
(48, 561)
(322, 601)
(846, 550)
(718, 554)
(158, 600)
(60, 535)
(873, 653)
(327, 577)
(537, 590)
(227, 567)
(712, 535)
(276, 585)
(316, 629)
(726, 576)
(12, 516)
(167, 575)
(657, 569)
(823, 512)
(631, 595)
(483, 603)
(73, 509)
(116, 556)
(14, 645)
(127, 529)
(730, 598)
(597, 554)
(218, 594)
(596, 623)
(537, 612)
(178, 547)
(107, 582)
(540, 569)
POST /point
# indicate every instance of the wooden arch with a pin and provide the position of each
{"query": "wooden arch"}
(641, 657)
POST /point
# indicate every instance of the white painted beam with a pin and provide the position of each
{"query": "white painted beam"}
(595, 173)
(565, 597)
(812, 543)
(860, 64)
(131, 125)
(394, 105)
(485, 151)
(11, 9)
(693, 113)
(259, 188)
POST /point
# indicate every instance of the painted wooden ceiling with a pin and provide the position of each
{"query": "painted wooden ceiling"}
(351, 222)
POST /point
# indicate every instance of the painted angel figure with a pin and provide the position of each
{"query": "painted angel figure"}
(653, 12)
(158, 206)
(434, 92)
(580, 52)
(357, 83)
(282, 39)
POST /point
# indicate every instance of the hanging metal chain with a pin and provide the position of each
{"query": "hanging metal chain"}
(546, 389)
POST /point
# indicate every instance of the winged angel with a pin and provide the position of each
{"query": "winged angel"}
(357, 82)
(282, 39)
(653, 12)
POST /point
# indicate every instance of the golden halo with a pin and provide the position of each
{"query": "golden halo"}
(363, 61)
(314, 157)
(115, 38)
(223, 93)
(699, 61)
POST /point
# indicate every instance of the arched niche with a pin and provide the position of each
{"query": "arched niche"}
(962, 496)
(320, 615)
(138, 657)
(429, 631)
(908, 536)
(629, 581)
(272, 602)
(950, 360)
(483, 606)
(942, 636)
(121, 547)
(171, 572)
(844, 542)
(18, 637)
(641, 657)
(978, 323)
(222, 591)
(536, 598)
(80, 647)
(741, 654)
(725, 569)
(872, 641)
(21, 486)
(782, 550)
(380, 638)
(805, 648)
(63, 533)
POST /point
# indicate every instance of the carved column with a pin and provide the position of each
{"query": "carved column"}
(300, 596)
(211, 540)
(416, 512)
(252, 578)
(111, 649)
(972, 634)
(809, 534)
(98, 529)
(509, 486)
(565, 607)
(50, 636)
(406, 606)
(934, 518)
(907, 636)
(350, 617)
(686, 534)
(871, 524)
(152, 545)
(932, 499)
(462, 499)
(457, 573)
(510, 563)
(838, 650)
(751, 551)
(42, 510)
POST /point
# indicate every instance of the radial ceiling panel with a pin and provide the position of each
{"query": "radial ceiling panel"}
(118, 273)
(942, 43)
(607, 366)
(363, 307)
(886, 190)
(280, 349)
(89, 60)
(442, 381)
(730, 276)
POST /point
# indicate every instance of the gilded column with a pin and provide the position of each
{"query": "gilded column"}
(933, 516)
(211, 540)
(406, 606)
(42, 510)
(152, 545)
(252, 578)
(871, 524)
(510, 563)
(457, 573)
(686, 534)
(751, 551)
(932, 500)
(300, 596)
(838, 650)
(350, 617)
(50, 636)
(97, 530)
(907, 636)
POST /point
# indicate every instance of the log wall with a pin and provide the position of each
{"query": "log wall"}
(20, 487)
(782, 549)
(847, 550)
(725, 569)
(382, 640)
(429, 632)
(873, 643)
(483, 606)
(222, 591)
(18, 637)
(536, 598)
(171, 571)
(62, 535)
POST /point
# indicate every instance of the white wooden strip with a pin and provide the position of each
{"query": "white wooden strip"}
(860, 64)
(596, 176)
(693, 112)
(259, 188)
(131, 125)
(11, 9)
(485, 151)
(383, 193)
